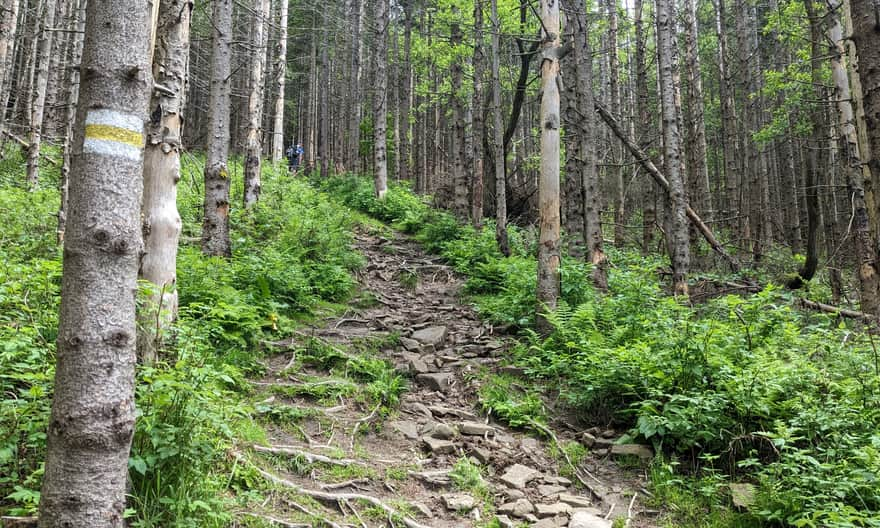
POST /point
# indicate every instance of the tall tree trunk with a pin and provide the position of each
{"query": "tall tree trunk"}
(324, 141)
(729, 130)
(548, 187)
(813, 165)
(215, 228)
(8, 32)
(649, 195)
(667, 59)
(380, 110)
(162, 222)
(478, 125)
(254, 142)
(72, 100)
(698, 179)
(93, 412)
(498, 138)
(616, 153)
(459, 152)
(38, 101)
(406, 93)
(588, 175)
(280, 80)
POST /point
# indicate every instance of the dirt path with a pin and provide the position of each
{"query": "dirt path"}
(436, 460)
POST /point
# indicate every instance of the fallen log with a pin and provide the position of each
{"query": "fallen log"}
(843, 312)
(661, 180)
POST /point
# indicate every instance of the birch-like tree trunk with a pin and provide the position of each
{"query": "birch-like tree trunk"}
(254, 143)
(380, 110)
(498, 138)
(93, 412)
(616, 104)
(548, 184)
(38, 99)
(280, 79)
(215, 228)
(698, 180)
(649, 194)
(162, 222)
(8, 31)
(406, 93)
(667, 59)
(459, 152)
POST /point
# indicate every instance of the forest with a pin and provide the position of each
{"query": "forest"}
(439, 263)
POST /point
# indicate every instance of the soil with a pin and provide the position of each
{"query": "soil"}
(411, 309)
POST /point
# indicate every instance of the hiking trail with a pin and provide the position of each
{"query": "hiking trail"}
(334, 460)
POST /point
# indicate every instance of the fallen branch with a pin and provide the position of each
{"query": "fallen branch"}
(347, 484)
(661, 180)
(311, 458)
(843, 312)
(629, 511)
(332, 497)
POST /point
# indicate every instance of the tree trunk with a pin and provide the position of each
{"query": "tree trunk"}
(616, 154)
(588, 175)
(649, 196)
(72, 99)
(478, 127)
(667, 59)
(8, 30)
(698, 179)
(459, 152)
(498, 135)
(254, 142)
(38, 101)
(93, 412)
(406, 92)
(380, 110)
(324, 142)
(215, 228)
(280, 80)
(548, 185)
(162, 222)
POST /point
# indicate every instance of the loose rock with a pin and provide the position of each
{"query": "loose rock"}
(583, 519)
(459, 502)
(433, 335)
(437, 381)
(643, 452)
(475, 429)
(518, 475)
(519, 508)
(551, 510)
(438, 446)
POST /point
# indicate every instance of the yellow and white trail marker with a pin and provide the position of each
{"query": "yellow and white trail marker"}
(114, 134)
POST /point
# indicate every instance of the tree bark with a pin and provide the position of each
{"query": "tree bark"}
(72, 100)
(667, 59)
(215, 228)
(459, 151)
(548, 185)
(8, 32)
(93, 412)
(498, 139)
(380, 110)
(162, 222)
(254, 142)
(478, 126)
(588, 174)
(280, 80)
(616, 157)
(38, 100)
(698, 179)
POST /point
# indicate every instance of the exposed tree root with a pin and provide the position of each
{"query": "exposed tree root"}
(331, 497)
(311, 458)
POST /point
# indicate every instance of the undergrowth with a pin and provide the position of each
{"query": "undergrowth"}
(736, 393)
(292, 260)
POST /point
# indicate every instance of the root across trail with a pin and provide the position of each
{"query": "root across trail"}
(341, 453)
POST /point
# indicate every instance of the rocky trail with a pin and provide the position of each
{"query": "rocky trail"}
(336, 458)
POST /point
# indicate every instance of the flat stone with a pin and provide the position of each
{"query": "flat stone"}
(438, 446)
(438, 381)
(432, 335)
(514, 494)
(475, 429)
(552, 522)
(483, 455)
(602, 443)
(510, 370)
(588, 439)
(575, 501)
(459, 502)
(550, 489)
(584, 519)
(518, 475)
(551, 510)
(518, 508)
(408, 429)
(505, 521)
(643, 452)
(424, 510)
(562, 481)
(531, 444)
(443, 432)
(410, 344)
